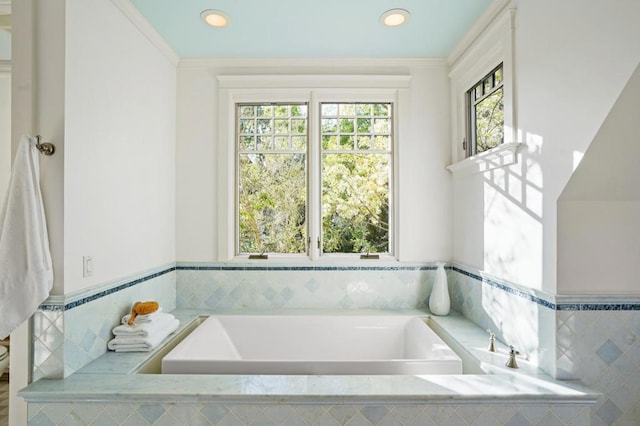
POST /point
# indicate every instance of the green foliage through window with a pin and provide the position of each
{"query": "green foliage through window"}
(486, 113)
(356, 166)
(272, 165)
(355, 158)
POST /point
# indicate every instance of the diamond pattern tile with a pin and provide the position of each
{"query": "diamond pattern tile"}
(609, 412)
(609, 352)
(296, 415)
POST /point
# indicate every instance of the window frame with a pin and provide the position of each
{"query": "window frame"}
(296, 89)
(237, 172)
(392, 175)
(471, 104)
(493, 46)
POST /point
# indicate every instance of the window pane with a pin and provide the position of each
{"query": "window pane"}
(247, 126)
(382, 142)
(247, 111)
(265, 126)
(264, 110)
(363, 109)
(299, 126)
(329, 142)
(281, 143)
(247, 143)
(498, 76)
(489, 121)
(346, 142)
(347, 125)
(364, 125)
(263, 142)
(282, 126)
(381, 110)
(298, 110)
(282, 110)
(299, 143)
(364, 142)
(487, 85)
(355, 179)
(329, 110)
(355, 203)
(272, 186)
(329, 125)
(347, 110)
(485, 113)
(381, 125)
(272, 203)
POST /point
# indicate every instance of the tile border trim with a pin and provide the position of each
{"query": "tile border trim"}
(578, 303)
(62, 303)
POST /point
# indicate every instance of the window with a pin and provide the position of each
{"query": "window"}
(272, 178)
(356, 165)
(351, 151)
(485, 122)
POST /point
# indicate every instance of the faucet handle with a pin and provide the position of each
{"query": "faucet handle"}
(492, 341)
(511, 362)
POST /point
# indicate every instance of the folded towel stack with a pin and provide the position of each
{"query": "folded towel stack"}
(145, 334)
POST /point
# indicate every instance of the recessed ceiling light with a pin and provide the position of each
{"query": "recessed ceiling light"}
(394, 17)
(215, 18)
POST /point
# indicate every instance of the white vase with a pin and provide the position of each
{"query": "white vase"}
(439, 301)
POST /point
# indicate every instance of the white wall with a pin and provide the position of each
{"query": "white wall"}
(5, 129)
(598, 211)
(424, 196)
(119, 171)
(572, 59)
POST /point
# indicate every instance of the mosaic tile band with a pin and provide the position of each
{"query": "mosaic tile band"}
(592, 305)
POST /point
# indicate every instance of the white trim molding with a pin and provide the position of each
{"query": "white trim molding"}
(5, 7)
(501, 156)
(494, 45)
(313, 89)
(5, 66)
(146, 29)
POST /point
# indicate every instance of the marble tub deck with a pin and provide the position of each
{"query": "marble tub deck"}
(111, 378)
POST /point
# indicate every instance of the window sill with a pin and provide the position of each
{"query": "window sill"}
(500, 156)
(276, 259)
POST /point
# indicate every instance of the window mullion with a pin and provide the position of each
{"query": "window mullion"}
(314, 184)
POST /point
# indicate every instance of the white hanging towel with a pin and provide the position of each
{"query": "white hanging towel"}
(26, 272)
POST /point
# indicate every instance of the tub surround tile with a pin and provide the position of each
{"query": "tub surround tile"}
(107, 379)
(593, 338)
(322, 287)
(317, 415)
(73, 334)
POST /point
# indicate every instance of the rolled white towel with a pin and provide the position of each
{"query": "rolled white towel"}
(142, 343)
(159, 323)
(140, 319)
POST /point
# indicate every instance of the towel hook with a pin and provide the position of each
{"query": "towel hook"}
(45, 148)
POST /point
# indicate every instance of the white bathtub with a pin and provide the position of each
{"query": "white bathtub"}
(313, 345)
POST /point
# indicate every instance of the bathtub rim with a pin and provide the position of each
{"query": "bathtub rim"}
(111, 379)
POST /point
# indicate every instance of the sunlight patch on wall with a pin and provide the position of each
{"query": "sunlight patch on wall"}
(513, 210)
(577, 158)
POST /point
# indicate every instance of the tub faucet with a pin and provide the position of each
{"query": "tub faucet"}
(511, 362)
(492, 341)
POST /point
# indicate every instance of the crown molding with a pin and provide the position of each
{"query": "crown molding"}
(482, 23)
(313, 63)
(146, 29)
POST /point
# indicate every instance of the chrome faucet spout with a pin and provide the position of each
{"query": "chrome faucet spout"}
(511, 362)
